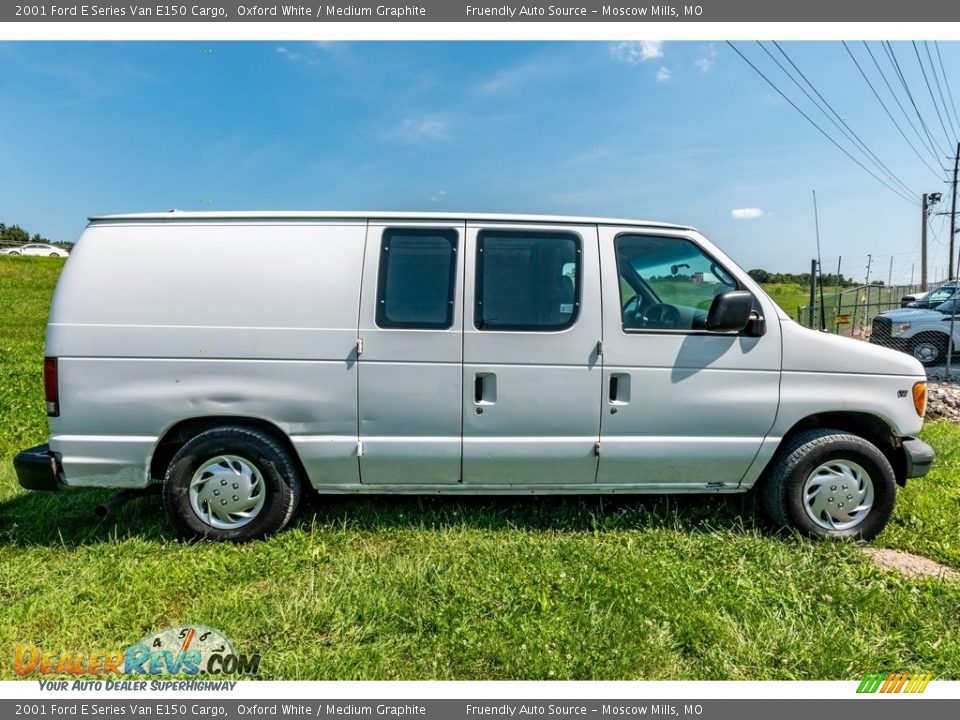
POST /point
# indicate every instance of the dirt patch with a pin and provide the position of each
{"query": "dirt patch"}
(909, 564)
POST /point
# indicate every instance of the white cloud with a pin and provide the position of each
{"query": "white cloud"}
(634, 53)
(419, 129)
(438, 196)
(705, 62)
(293, 56)
(663, 74)
(336, 49)
(314, 53)
(592, 155)
(517, 77)
(746, 213)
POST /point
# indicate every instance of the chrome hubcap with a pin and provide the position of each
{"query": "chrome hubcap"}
(838, 495)
(227, 492)
(925, 352)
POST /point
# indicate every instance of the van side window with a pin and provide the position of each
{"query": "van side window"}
(417, 278)
(527, 280)
(667, 283)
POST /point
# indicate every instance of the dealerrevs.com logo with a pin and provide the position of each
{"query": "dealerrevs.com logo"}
(894, 683)
(182, 650)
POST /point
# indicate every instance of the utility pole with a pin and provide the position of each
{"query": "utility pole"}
(953, 212)
(953, 230)
(866, 307)
(836, 314)
(816, 222)
(923, 246)
(813, 290)
(856, 299)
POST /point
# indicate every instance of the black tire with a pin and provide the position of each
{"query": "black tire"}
(279, 483)
(930, 349)
(14, 253)
(783, 494)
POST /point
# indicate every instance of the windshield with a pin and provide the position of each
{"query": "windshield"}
(949, 307)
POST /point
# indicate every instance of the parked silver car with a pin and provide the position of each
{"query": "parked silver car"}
(454, 353)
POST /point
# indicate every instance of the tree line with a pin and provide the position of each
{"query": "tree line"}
(16, 235)
(827, 279)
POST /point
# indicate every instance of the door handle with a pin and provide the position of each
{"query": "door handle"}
(619, 388)
(485, 388)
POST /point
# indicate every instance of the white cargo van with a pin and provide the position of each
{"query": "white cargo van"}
(238, 357)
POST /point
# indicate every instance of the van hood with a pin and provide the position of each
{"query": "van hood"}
(806, 350)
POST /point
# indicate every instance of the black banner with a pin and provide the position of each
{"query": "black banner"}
(485, 11)
(876, 708)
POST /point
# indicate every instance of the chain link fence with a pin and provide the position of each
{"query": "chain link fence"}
(879, 314)
(850, 311)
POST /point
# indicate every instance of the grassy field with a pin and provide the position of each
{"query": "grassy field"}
(864, 303)
(480, 588)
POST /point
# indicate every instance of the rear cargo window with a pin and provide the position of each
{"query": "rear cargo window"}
(527, 280)
(417, 278)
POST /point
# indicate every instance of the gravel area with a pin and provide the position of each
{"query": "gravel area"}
(943, 399)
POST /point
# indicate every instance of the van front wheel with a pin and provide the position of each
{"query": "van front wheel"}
(231, 483)
(829, 483)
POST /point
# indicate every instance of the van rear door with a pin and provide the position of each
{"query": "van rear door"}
(531, 376)
(410, 360)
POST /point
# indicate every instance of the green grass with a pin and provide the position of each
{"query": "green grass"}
(790, 295)
(865, 304)
(470, 588)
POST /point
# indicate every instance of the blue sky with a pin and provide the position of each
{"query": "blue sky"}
(675, 131)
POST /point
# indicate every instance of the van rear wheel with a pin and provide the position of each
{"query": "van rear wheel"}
(231, 483)
(831, 484)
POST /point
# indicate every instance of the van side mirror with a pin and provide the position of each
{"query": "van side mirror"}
(730, 311)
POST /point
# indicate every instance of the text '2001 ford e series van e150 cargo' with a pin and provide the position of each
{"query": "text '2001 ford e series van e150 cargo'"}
(237, 357)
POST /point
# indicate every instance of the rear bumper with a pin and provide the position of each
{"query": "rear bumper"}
(919, 457)
(39, 469)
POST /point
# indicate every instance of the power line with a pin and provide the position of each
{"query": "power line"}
(849, 133)
(820, 129)
(936, 78)
(886, 109)
(936, 238)
(892, 57)
(883, 75)
(946, 82)
(930, 90)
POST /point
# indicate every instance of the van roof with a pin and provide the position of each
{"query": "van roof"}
(180, 215)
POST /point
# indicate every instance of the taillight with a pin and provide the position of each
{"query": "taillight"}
(51, 386)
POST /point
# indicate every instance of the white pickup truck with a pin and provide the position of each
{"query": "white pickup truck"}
(924, 334)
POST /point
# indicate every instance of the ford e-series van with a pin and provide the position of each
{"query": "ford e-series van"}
(236, 358)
